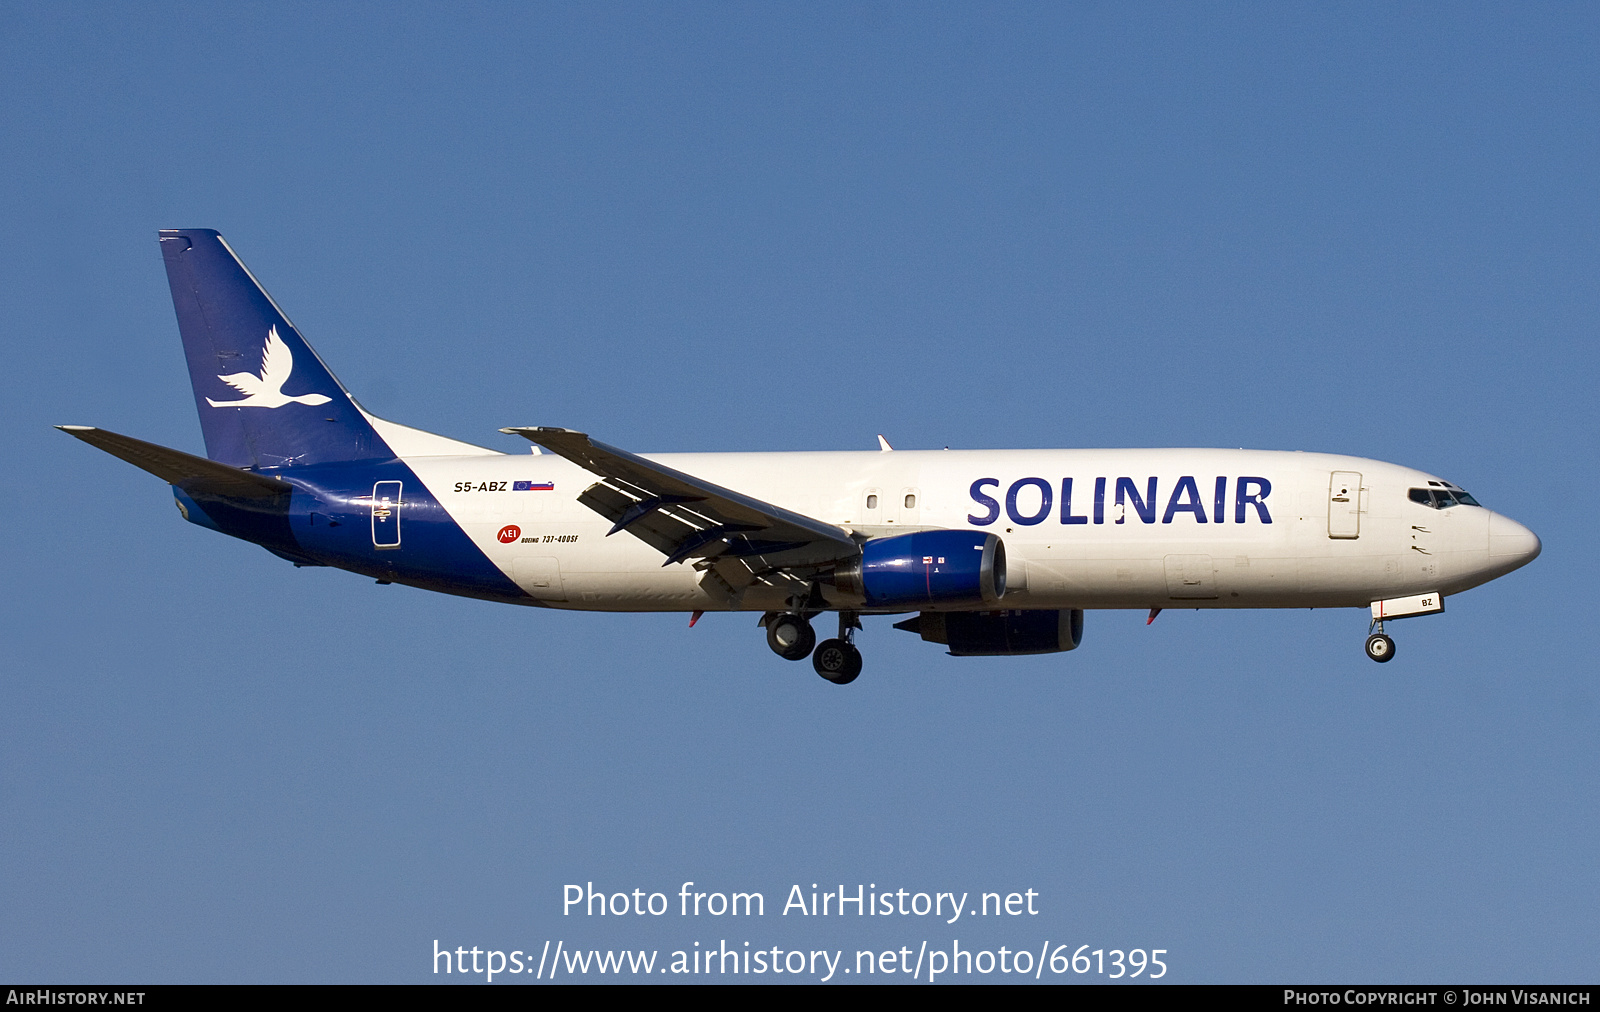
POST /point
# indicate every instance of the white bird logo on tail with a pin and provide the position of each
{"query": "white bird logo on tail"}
(266, 390)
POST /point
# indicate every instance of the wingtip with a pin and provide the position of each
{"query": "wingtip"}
(883, 444)
(75, 428)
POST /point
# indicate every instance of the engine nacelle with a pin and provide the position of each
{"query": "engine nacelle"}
(926, 567)
(991, 633)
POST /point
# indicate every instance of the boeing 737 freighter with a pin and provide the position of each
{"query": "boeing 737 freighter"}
(995, 552)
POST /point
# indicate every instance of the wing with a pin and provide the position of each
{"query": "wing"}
(739, 538)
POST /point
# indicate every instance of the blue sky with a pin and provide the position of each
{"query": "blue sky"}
(1357, 229)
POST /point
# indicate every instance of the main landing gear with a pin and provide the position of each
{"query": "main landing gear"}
(1379, 646)
(838, 660)
(791, 637)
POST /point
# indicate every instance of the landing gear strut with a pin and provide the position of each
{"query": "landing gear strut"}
(1379, 646)
(838, 660)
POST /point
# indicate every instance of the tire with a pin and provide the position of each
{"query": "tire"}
(1380, 648)
(791, 637)
(837, 661)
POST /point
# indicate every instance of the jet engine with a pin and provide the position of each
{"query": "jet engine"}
(926, 567)
(993, 633)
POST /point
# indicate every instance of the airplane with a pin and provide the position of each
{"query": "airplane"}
(991, 553)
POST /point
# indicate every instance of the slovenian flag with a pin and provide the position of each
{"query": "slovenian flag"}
(533, 486)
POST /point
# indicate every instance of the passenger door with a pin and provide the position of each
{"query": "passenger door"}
(386, 514)
(1344, 505)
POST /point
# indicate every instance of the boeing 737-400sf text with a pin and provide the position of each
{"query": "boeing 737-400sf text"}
(996, 552)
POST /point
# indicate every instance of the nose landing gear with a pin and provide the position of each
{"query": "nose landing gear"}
(1379, 646)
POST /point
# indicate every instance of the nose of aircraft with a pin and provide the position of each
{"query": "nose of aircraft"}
(1511, 544)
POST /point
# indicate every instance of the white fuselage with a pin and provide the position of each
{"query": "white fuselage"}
(1215, 541)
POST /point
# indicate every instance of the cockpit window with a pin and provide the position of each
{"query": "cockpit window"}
(1442, 498)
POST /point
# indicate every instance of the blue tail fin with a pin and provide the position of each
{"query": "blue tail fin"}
(265, 398)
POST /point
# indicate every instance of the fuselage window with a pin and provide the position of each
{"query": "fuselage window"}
(911, 502)
(872, 502)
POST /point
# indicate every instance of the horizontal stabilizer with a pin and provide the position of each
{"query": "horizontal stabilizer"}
(185, 470)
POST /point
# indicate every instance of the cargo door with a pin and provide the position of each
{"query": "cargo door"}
(540, 577)
(1191, 577)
